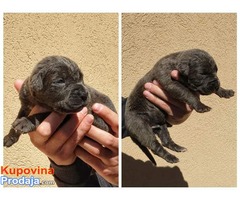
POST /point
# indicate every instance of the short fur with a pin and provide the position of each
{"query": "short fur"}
(198, 74)
(56, 83)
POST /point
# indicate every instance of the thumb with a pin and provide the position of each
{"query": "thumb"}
(18, 84)
(175, 75)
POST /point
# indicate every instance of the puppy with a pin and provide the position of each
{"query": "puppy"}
(198, 74)
(56, 83)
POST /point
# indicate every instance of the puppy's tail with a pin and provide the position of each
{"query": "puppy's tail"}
(145, 151)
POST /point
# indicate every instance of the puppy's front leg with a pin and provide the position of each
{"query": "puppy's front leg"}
(23, 125)
(11, 138)
(224, 93)
(182, 93)
(19, 126)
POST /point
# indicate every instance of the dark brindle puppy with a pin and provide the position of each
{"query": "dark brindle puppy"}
(198, 74)
(56, 83)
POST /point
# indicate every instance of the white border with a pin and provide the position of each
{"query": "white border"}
(120, 6)
(119, 94)
(1, 89)
(117, 6)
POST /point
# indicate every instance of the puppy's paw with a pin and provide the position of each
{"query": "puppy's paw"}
(23, 125)
(175, 147)
(201, 108)
(9, 140)
(171, 158)
(225, 93)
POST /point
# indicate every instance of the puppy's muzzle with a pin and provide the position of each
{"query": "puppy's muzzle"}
(77, 99)
(78, 95)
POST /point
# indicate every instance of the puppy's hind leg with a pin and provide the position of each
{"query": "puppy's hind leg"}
(160, 151)
(166, 140)
(144, 150)
(145, 136)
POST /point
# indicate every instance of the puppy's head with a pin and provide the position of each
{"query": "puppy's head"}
(200, 72)
(57, 83)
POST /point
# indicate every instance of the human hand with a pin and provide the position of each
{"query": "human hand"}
(177, 111)
(58, 144)
(100, 152)
(100, 148)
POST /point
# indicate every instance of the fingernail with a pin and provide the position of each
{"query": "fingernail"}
(155, 82)
(89, 119)
(146, 93)
(97, 107)
(148, 86)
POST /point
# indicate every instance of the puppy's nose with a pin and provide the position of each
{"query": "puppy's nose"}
(82, 94)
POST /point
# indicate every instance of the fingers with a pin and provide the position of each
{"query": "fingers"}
(18, 84)
(110, 117)
(158, 101)
(58, 136)
(70, 133)
(79, 133)
(38, 109)
(177, 111)
(161, 98)
(104, 138)
(100, 149)
(97, 150)
(46, 128)
(110, 173)
(100, 143)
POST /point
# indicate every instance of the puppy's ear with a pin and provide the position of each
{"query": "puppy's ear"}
(183, 68)
(36, 82)
(80, 75)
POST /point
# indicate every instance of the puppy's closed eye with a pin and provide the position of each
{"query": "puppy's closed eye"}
(59, 81)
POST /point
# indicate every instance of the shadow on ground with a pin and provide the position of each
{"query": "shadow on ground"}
(136, 173)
